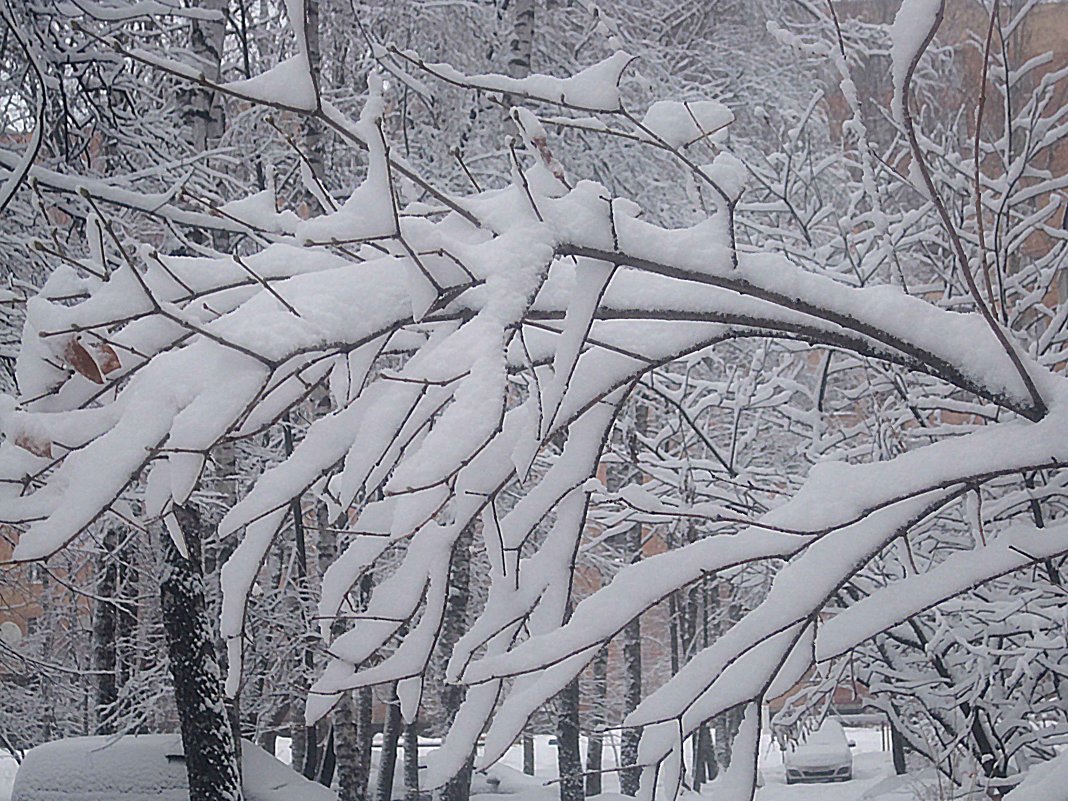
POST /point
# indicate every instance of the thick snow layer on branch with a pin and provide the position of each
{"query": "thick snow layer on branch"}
(288, 84)
(595, 88)
(680, 124)
(884, 608)
(912, 26)
(260, 211)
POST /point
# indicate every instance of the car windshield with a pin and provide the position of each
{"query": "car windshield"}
(830, 733)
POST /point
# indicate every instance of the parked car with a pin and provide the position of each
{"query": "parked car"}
(144, 767)
(823, 757)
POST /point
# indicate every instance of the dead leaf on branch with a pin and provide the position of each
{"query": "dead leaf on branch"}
(105, 357)
(75, 354)
(38, 446)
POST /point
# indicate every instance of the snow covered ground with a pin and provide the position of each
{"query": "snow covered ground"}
(873, 780)
(8, 766)
(871, 767)
(873, 772)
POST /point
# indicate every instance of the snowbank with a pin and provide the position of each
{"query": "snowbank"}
(8, 766)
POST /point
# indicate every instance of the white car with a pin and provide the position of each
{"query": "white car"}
(144, 767)
(823, 757)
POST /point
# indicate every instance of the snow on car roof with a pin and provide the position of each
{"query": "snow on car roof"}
(146, 767)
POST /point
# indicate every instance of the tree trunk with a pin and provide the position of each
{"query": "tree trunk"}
(521, 43)
(630, 775)
(365, 732)
(215, 554)
(452, 695)
(203, 115)
(459, 788)
(704, 758)
(520, 51)
(568, 754)
(387, 762)
(351, 717)
(726, 725)
(311, 127)
(306, 738)
(201, 107)
(897, 748)
(207, 738)
(325, 776)
(528, 754)
(351, 778)
(105, 624)
(595, 747)
(632, 680)
(411, 762)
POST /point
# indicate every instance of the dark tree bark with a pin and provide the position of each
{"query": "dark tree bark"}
(207, 738)
(632, 695)
(595, 747)
(311, 127)
(215, 554)
(452, 695)
(114, 624)
(411, 761)
(326, 772)
(632, 687)
(629, 776)
(726, 725)
(387, 762)
(351, 778)
(105, 634)
(127, 612)
(568, 754)
(352, 716)
(305, 738)
(704, 757)
(459, 788)
(365, 732)
(897, 748)
(528, 754)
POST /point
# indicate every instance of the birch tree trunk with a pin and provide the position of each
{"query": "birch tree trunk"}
(521, 42)
(207, 737)
(202, 108)
(452, 695)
